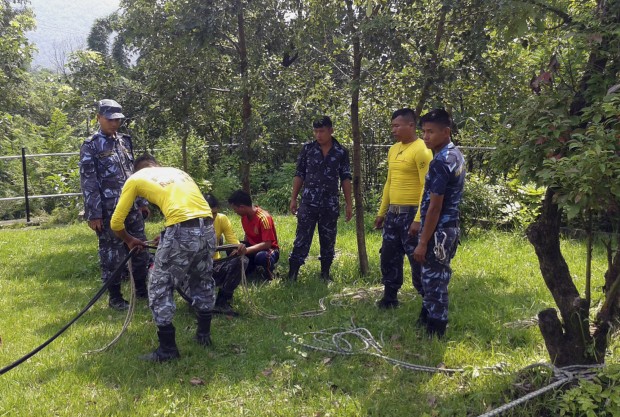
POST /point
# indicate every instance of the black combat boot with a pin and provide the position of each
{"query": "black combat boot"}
(293, 271)
(223, 304)
(116, 301)
(435, 327)
(141, 291)
(325, 267)
(423, 318)
(203, 331)
(389, 300)
(167, 349)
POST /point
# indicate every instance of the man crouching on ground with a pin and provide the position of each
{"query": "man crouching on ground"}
(185, 249)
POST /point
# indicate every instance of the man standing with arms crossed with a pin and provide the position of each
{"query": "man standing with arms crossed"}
(408, 161)
(321, 166)
(106, 161)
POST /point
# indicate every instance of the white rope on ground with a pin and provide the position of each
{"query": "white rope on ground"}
(337, 343)
(128, 317)
(565, 375)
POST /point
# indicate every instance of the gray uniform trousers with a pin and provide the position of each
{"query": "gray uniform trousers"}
(436, 272)
(183, 253)
(112, 250)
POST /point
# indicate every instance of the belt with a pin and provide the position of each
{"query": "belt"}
(194, 222)
(451, 223)
(393, 208)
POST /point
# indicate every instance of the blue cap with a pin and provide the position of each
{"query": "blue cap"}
(110, 109)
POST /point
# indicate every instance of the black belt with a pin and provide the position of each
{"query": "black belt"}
(393, 208)
(451, 223)
(194, 222)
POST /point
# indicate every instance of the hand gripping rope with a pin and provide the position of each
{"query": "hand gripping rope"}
(103, 289)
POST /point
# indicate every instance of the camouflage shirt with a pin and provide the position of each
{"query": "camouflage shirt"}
(105, 165)
(321, 173)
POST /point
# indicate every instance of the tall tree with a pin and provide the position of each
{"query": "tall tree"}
(565, 137)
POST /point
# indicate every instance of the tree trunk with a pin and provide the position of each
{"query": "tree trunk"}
(357, 149)
(431, 69)
(185, 134)
(246, 105)
(570, 343)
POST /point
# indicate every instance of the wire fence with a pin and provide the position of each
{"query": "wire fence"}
(373, 170)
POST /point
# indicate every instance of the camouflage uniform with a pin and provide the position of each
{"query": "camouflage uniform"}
(227, 272)
(446, 176)
(319, 199)
(183, 253)
(396, 243)
(105, 165)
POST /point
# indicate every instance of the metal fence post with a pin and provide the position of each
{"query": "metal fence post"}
(25, 185)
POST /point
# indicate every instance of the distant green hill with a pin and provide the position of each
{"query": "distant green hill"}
(63, 25)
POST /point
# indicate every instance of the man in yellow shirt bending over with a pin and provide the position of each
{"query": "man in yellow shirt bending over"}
(408, 161)
(185, 250)
(226, 270)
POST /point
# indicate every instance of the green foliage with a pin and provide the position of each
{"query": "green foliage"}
(599, 397)
(500, 203)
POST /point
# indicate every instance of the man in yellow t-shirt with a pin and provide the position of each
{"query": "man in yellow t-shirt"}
(408, 161)
(226, 270)
(185, 249)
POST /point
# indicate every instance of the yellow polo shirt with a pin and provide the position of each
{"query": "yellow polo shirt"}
(223, 227)
(172, 190)
(407, 167)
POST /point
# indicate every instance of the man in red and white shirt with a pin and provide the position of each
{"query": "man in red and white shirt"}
(261, 239)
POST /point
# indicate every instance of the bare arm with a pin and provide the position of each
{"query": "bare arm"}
(266, 245)
(297, 183)
(346, 189)
(129, 240)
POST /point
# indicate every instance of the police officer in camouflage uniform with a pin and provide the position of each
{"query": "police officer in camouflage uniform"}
(440, 231)
(321, 166)
(106, 161)
(184, 252)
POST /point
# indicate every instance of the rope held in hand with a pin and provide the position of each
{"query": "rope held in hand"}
(103, 289)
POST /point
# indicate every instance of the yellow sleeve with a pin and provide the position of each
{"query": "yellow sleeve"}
(385, 198)
(423, 161)
(229, 233)
(125, 202)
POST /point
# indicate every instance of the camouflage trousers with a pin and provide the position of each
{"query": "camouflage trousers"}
(396, 244)
(266, 259)
(436, 271)
(112, 250)
(307, 219)
(227, 272)
(183, 253)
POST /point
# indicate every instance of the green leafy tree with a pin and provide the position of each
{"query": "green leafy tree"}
(565, 137)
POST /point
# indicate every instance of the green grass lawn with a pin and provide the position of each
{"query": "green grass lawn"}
(48, 274)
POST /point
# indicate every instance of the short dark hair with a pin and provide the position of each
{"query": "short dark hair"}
(145, 157)
(213, 203)
(406, 113)
(323, 121)
(240, 198)
(439, 116)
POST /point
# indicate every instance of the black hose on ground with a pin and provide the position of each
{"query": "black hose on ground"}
(102, 291)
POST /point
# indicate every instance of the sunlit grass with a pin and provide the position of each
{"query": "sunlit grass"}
(254, 368)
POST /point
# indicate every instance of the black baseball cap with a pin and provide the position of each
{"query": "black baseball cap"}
(110, 109)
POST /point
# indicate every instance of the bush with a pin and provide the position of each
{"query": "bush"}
(507, 204)
(597, 398)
